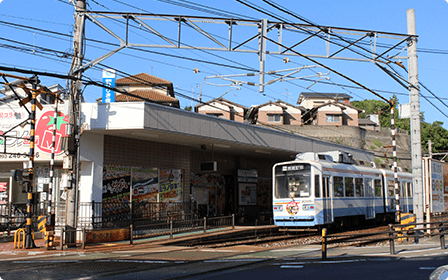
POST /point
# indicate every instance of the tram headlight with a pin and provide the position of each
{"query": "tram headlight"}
(308, 207)
(278, 207)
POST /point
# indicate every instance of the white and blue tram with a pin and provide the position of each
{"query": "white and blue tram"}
(318, 189)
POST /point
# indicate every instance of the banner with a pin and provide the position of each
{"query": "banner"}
(18, 140)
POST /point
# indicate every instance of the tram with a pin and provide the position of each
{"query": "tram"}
(329, 188)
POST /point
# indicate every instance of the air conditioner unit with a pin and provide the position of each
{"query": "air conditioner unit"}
(209, 166)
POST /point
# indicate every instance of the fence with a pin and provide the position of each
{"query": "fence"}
(13, 215)
(95, 215)
(395, 231)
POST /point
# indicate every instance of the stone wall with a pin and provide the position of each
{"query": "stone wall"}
(373, 141)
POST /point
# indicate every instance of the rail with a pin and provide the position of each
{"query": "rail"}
(394, 232)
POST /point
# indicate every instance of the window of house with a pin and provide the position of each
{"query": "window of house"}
(218, 115)
(274, 118)
(333, 118)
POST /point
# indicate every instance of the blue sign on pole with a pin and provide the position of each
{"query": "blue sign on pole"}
(108, 80)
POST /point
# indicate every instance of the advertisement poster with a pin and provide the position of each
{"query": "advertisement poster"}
(264, 194)
(210, 189)
(437, 186)
(445, 183)
(170, 185)
(145, 184)
(247, 194)
(116, 191)
(3, 192)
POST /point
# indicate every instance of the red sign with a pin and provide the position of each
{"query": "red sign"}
(44, 131)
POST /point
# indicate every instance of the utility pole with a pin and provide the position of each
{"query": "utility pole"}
(416, 146)
(75, 121)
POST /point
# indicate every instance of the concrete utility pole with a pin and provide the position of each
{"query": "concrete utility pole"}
(75, 121)
(416, 145)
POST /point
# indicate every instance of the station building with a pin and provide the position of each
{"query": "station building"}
(151, 152)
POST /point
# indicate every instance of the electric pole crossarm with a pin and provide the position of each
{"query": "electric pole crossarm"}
(393, 47)
(139, 21)
(346, 47)
(303, 41)
(198, 29)
(122, 42)
(98, 60)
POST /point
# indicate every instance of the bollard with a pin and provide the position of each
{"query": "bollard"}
(205, 225)
(442, 237)
(391, 240)
(83, 244)
(131, 234)
(233, 221)
(324, 244)
(171, 229)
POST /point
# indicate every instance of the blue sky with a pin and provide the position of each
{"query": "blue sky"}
(386, 16)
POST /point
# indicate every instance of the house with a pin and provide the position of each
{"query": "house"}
(372, 122)
(222, 108)
(279, 113)
(145, 87)
(310, 100)
(43, 98)
(332, 113)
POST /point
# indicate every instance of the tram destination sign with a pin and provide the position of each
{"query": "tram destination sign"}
(293, 167)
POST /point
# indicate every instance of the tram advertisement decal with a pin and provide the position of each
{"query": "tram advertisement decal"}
(145, 184)
(292, 207)
(45, 120)
(116, 192)
(170, 185)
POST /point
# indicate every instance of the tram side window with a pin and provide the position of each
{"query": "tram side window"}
(409, 189)
(378, 187)
(349, 192)
(338, 186)
(390, 188)
(359, 187)
(316, 186)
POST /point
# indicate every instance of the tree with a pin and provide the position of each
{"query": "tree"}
(434, 132)
(188, 108)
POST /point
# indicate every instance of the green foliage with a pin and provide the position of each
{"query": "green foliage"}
(188, 108)
(377, 143)
(378, 160)
(372, 147)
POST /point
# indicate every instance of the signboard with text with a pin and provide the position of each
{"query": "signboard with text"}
(108, 80)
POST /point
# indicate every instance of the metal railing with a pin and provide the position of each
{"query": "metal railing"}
(95, 215)
(416, 231)
(167, 229)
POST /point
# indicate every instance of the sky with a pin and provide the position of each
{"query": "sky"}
(34, 35)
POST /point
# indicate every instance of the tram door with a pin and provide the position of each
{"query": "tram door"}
(328, 209)
(370, 202)
(404, 197)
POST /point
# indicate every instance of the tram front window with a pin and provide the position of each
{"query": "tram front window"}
(292, 181)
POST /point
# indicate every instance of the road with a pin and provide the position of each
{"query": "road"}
(413, 261)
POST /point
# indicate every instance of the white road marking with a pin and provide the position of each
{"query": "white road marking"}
(235, 260)
(291, 266)
(427, 268)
